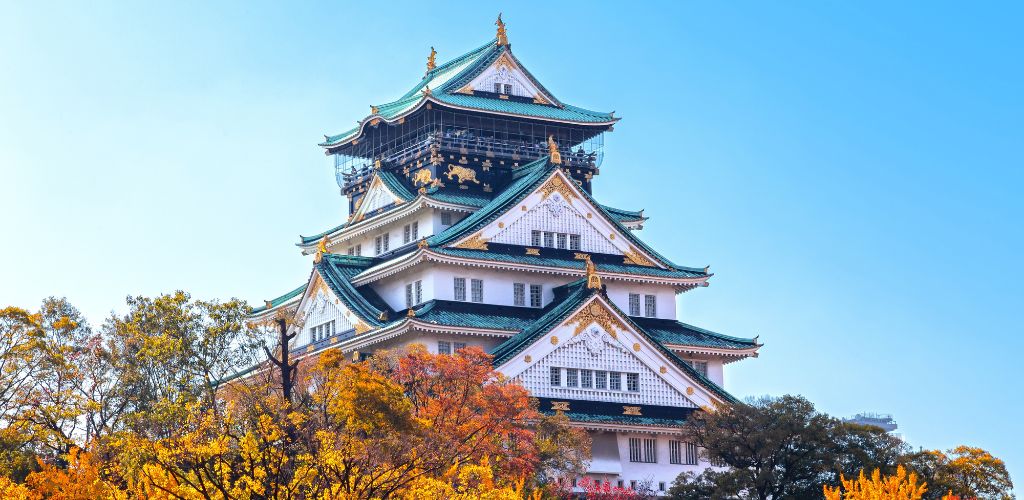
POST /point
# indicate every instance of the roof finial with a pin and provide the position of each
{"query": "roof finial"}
(556, 157)
(593, 279)
(502, 37)
(430, 60)
(321, 249)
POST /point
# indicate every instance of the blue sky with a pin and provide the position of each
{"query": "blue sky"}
(851, 171)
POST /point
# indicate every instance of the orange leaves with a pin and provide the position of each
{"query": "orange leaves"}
(898, 487)
(79, 481)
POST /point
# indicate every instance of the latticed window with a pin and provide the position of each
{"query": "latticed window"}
(563, 241)
(536, 295)
(571, 377)
(650, 450)
(574, 242)
(601, 379)
(549, 239)
(413, 293)
(406, 233)
(535, 238)
(691, 454)
(634, 304)
(635, 450)
(650, 306)
(444, 347)
(477, 289)
(633, 382)
(586, 379)
(615, 381)
(519, 294)
(556, 376)
(458, 346)
(415, 230)
(675, 452)
(460, 289)
(381, 243)
(700, 366)
(446, 218)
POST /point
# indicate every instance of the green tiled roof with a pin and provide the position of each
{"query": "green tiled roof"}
(550, 257)
(337, 271)
(621, 215)
(467, 198)
(305, 240)
(281, 300)
(445, 80)
(395, 185)
(669, 331)
(472, 315)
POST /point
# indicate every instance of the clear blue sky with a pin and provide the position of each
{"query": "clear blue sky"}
(852, 172)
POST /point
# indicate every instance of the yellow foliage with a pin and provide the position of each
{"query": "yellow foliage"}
(898, 487)
(10, 490)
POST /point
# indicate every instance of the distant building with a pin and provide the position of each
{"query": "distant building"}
(882, 420)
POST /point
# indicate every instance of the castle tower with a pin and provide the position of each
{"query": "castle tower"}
(473, 221)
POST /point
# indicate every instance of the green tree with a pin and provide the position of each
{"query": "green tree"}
(965, 471)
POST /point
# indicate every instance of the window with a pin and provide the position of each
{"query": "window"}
(406, 233)
(571, 377)
(518, 294)
(556, 376)
(634, 304)
(633, 382)
(381, 243)
(615, 381)
(535, 238)
(700, 366)
(691, 454)
(536, 292)
(650, 306)
(632, 484)
(635, 453)
(620, 483)
(459, 346)
(574, 242)
(508, 89)
(320, 332)
(675, 452)
(416, 230)
(460, 289)
(717, 462)
(444, 347)
(586, 379)
(477, 289)
(411, 232)
(352, 251)
(446, 218)
(601, 379)
(497, 88)
(549, 239)
(650, 450)
(562, 244)
(413, 293)
(661, 485)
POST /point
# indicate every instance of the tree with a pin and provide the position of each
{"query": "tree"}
(899, 486)
(963, 471)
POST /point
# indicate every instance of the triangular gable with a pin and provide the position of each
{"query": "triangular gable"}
(378, 195)
(558, 206)
(506, 70)
(596, 336)
(320, 304)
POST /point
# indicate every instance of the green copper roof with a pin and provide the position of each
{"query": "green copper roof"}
(337, 271)
(395, 185)
(550, 257)
(670, 331)
(280, 300)
(621, 215)
(474, 315)
(305, 240)
(445, 80)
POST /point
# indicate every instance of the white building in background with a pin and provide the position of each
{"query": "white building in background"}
(474, 222)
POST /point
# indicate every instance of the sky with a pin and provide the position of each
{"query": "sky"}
(851, 171)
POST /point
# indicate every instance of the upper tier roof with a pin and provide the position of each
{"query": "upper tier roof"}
(446, 84)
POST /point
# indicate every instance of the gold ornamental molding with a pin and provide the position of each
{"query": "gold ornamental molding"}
(556, 185)
(633, 256)
(598, 313)
(560, 405)
(631, 410)
(475, 242)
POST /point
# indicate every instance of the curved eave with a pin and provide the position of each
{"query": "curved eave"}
(429, 98)
(385, 217)
(730, 355)
(420, 256)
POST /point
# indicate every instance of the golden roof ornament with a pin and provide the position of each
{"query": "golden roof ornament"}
(556, 157)
(321, 250)
(374, 110)
(502, 37)
(431, 64)
(593, 279)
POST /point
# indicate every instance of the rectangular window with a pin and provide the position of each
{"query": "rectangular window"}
(650, 306)
(620, 483)
(632, 484)
(549, 239)
(446, 218)
(675, 452)
(650, 450)
(700, 366)
(535, 238)
(477, 289)
(408, 296)
(633, 382)
(359, 249)
(536, 295)
(416, 230)
(497, 88)
(444, 347)
(460, 289)
(562, 243)
(691, 454)
(634, 304)
(586, 379)
(378, 245)
(458, 346)
(615, 381)
(519, 294)
(661, 485)
(406, 233)
(571, 377)
(574, 242)
(351, 250)
(635, 450)
(556, 376)
(508, 89)
(418, 292)
(601, 379)
(387, 238)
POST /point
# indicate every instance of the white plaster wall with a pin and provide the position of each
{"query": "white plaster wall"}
(427, 227)
(392, 288)
(649, 472)
(321, 310)
(430, 341)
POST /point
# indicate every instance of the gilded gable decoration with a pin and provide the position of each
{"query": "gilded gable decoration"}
(556, 185)
(633, 256)
(475, 242)
(431, 64)
(596, 313)
(556, 157)
(593, 279)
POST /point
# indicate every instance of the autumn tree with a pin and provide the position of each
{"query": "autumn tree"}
(899, 486)
(964, 471)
